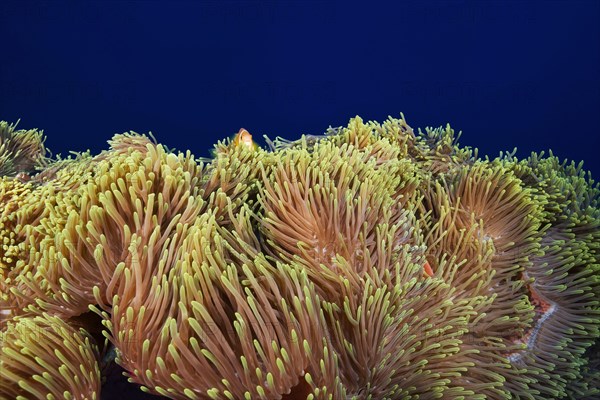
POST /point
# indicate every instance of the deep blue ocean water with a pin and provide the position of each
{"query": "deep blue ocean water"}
(507, 73)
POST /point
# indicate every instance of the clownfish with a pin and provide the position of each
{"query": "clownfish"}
(23, 177)
(244, 137)
(427, 269)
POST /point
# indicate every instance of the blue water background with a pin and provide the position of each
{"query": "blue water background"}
(508, 74)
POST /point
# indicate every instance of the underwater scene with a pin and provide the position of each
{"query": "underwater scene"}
(370, 262)
(299, 200)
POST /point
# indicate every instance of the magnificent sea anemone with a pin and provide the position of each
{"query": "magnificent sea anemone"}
(370, 262)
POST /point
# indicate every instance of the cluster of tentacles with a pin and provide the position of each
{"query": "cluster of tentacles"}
(371, 262)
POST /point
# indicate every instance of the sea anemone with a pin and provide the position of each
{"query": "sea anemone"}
(370, 262)
(43, 357)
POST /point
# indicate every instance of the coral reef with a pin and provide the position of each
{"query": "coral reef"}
(371, 262)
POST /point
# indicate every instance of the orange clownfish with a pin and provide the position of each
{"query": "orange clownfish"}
(23, 177)
(244, 137)
(427, 269)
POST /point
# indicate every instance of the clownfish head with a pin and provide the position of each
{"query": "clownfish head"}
(244, 137)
